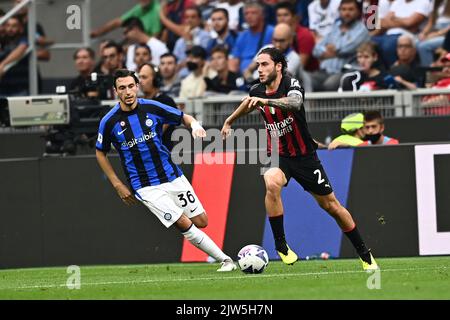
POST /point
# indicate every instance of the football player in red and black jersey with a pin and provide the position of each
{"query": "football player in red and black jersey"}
(279, 98)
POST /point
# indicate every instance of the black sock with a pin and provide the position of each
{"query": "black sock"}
(359, 244)
(278, 233)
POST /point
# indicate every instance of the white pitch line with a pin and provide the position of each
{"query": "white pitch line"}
(49, 286)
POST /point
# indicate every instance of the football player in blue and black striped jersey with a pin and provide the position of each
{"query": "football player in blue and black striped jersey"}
(134, 128)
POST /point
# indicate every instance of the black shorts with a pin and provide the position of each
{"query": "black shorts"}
(308, 172)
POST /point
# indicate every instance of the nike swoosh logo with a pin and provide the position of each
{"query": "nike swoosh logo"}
(194, 209)
(120, 132)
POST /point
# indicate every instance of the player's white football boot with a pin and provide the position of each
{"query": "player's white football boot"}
(227, 266)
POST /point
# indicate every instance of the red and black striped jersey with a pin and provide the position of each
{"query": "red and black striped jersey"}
(289, 127)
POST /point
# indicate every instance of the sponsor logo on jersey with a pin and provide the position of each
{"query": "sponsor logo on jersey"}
(279, 129)
(135, 141)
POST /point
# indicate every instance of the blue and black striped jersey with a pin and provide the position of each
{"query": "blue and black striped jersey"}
(136, 135)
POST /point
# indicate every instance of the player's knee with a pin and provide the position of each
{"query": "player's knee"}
(273, 187)
(331, 206)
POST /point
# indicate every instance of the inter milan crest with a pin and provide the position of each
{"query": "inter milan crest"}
(167, 216)
(122, 123)
(149, 122)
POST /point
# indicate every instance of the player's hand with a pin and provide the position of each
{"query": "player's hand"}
(226, 130)
(126, 195)
(197, 130)
(256, 102)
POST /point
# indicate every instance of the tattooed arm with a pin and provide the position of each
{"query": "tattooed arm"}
(293, 102)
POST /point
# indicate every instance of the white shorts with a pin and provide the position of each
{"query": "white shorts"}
(169, 200)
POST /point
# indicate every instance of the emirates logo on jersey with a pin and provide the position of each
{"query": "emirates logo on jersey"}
(279, 129)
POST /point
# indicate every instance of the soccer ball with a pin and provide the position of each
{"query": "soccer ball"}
(253, 259)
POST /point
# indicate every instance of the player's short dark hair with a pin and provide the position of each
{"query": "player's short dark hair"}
(286, 5)
(220, 48)
(123, 73)
(89, 51)
(277, 56)
(223, 10)
(373, 115)
(168, 54)
(133, 22)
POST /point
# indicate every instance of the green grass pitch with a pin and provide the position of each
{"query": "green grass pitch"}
(400, 278)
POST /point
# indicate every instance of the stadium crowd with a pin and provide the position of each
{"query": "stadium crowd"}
(201, 47)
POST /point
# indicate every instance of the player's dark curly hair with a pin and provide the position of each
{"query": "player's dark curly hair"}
(123, 73)
(277, 56)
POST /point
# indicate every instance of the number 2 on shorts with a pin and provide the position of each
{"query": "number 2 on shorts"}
(319, 176)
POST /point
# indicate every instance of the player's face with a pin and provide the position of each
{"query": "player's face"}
(267, 69)
(146, 78)
(373, 127)
(127, 90)
(366, 60)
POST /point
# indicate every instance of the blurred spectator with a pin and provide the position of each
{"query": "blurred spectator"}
(446, 44)
(146, 10)
(433, 35)
(374, 129)
(149, 82)
(282, 39)
(172, 11)
(233, 7)
(134, 33)
(372, 74)
(84, 63)
(322, 16)
(3, 38)
(142, 54)
(223, 36)
(339, 46)
(439, 104)
(405, 70)
(404, 17)
(42, 42)
(249, 42)
(194, 84)
(14, 81)
(352, 127)
(191, 34)
(205, 8)
(304, 39)
(226, 80)
(171, 81)
(112, 60)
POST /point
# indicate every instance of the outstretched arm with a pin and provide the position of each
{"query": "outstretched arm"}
(107, 27)
(243, 109)
(122, 190)
(194, 125)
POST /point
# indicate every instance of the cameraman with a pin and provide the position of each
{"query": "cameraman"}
(84, 63)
